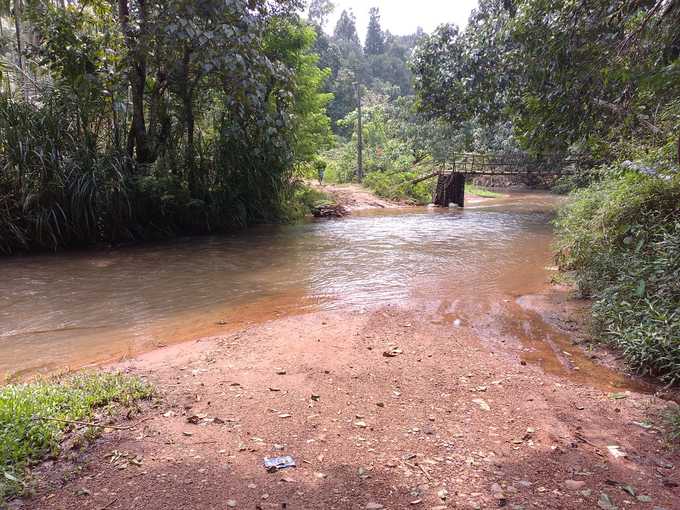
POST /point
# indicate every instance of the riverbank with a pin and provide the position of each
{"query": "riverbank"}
(418, 407)
(355, 197)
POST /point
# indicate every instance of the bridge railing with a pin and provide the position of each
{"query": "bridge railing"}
(510, 164)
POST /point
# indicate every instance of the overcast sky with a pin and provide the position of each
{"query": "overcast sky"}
(403, 17)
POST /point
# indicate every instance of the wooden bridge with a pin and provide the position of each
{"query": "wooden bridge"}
(451, 178)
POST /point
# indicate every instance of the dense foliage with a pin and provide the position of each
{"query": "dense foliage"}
(152, 119)
(581, 76)
(27, 436)
(621, 236)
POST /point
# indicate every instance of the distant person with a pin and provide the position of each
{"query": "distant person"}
(320, 165)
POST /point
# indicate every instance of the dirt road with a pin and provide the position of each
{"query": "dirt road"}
(390, 408)
(355, 197)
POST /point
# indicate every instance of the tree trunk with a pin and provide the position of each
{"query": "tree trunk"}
(20, 49)
(137, 145)
(189, 122)
(360, 137)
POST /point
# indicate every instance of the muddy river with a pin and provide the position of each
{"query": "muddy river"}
(68, 310)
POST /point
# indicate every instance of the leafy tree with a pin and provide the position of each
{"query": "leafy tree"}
(319, 10)
(375, 40)
(291, 42)
(346, 29)
(580, 75)
(464, 76)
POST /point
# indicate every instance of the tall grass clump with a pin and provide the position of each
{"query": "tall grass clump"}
(621, 237)
(26, 437)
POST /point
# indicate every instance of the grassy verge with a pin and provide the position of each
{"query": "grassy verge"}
(305, 200)
(621, 237)
(399, 186)
(471, 189)
(26, 437)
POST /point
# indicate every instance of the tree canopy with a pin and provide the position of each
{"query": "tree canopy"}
(576, 76)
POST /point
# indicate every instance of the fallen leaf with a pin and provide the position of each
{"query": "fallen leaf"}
(629, 489)
(395, 351)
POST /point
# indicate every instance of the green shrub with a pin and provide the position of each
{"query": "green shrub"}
(303, 202)
(399, 186)
(25, 439)
(621, 236)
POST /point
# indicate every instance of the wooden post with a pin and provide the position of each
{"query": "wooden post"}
(458, 189)
(360, 137)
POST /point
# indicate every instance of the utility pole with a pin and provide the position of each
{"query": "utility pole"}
(360, 137)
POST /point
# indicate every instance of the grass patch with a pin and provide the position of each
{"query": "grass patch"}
(25, 440)
(481, 192)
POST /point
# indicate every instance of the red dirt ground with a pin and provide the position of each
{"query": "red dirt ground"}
(371, 431)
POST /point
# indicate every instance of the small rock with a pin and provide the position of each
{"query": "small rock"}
(373, 506)
(482, 404)
(574, 485)
(605, 502)
(231, 503)
(280, 371)
(361, 424)
(616, 452)
(644, 499)
(443, 494)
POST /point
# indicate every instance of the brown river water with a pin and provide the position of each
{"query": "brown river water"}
(68, 310)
